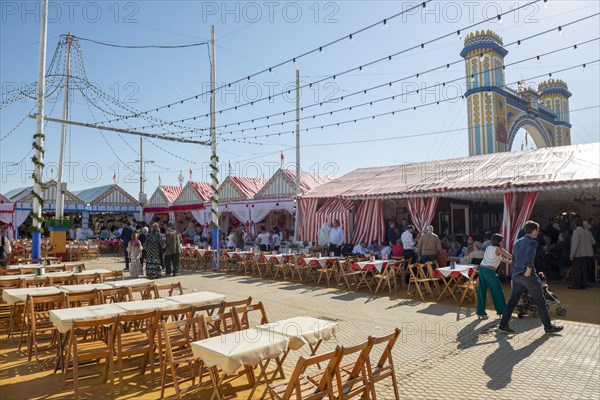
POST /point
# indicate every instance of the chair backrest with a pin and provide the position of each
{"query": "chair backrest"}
(355, 382)
(171, 287)
(145, 322)
(176, 314)
(38, 306)
(62, 280)
(87, 278)
(82, 331)
(244, 318)
(113, 276)
(35, 282)
(325, 384)
(220, 324)
(12, 283)
(71, 266)
(82, 299)
(226, 305)
(389, 341)
(184, 331)
(147, 291)
(56, 268)
(114, 295)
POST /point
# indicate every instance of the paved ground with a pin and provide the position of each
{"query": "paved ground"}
(443, 351)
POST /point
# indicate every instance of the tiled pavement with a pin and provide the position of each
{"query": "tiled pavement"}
(443, 352)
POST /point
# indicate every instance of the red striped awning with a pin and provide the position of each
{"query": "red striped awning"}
(308, 219)
(336, 209)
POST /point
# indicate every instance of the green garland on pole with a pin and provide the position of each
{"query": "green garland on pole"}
(214, 201)
(37, 163)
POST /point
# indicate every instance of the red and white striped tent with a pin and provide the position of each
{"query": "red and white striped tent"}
(161, 201)
(236, 196)
(517, 179)
(7, 209)
(195, 198)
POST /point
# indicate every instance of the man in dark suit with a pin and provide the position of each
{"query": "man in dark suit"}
(126, 236)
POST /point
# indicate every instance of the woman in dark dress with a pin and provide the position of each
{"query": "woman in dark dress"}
(153, 247)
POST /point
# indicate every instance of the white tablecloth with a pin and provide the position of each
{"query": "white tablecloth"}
(247, 347)
(239, 253)
(201, 252)
(463, 269)
(132, 307)
(94, 271)
(19, 266)
(378, 264)
(320, 260)
(63, 318)
(130, 282)
(302, 330)
(13, 296)
(279, 257)
(10, 277)
(199, 299)
(84, 287)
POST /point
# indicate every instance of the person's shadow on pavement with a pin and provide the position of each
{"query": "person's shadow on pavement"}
(500, 364)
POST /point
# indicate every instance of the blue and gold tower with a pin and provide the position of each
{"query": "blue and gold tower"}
(496, 112)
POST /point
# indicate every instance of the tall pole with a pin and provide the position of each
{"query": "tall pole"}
(60, 204)
(38, 159)
(297, 220)
(141, 167)
(213, 140)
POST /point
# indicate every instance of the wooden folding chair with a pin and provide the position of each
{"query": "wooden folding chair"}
(35, 282)
(135, 336)
(146, 292)
(114, 295)
(384, 367)
(420, 283)
(347, 276)
(84, 347)
(315, 386)
(61, 280)
(174, 341)
(351, 379)
(113, 276)
(387, 276)
(171, 287)
(37, 320)
(56, 268)
(7, 311)
(328, 271)
(82, 299)
(222, 323)
(284, 267)
(468, 288)
(87, 278)
(226, 305)
(244, 312)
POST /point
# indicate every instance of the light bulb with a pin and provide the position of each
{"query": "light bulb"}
(560, 31)
(518, 42)
(350, 38)
(385, 24)
(390, 59)
(424, 5)
(499, 19)
(539, 59)
(459, 35)
(320, 51)
(575, 48)
(546, 3)
(422, 46)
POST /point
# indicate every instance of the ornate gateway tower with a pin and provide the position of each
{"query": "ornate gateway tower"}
(496, 112)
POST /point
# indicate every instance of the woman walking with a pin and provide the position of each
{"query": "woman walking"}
(154, 247)
(488, 278)
(135, 256)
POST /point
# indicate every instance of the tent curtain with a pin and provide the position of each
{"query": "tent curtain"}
(369, 224)
(202, 216)
(339, 209)
(148, 218)
(172, 218)
(513, 220)
(422, 211)
(308, 219)
(259, 215)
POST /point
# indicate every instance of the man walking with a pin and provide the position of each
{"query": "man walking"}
(173, 243)
(126, 236)
(582, 254)
(524, 277)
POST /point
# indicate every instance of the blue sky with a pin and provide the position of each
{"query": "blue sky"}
(252, 36)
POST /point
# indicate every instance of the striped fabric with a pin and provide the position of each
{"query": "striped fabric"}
(422, 211)
(513, 222)
(308, 219)
(171, 192)
(336, 209)
(368, 222)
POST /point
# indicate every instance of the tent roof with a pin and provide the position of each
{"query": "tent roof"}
(564, 169)
(17, 193)
(4, 200)
(308, 180)
(248, 187)
(91, 194)
(48, 194)
(283, 183)
(164, 195)
(203, 189)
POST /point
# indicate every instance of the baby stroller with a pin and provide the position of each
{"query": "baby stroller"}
(526, 305)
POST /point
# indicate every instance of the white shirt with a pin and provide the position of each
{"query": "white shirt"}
(4, 240)
(490, 258)
(408, 242)
(386, 250)
(358, 249)
(265, 238)
(277, 239)
(231, 240)
(336, 236)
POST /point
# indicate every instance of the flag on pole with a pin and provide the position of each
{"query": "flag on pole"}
(282, 159)
(114, 177)
(191, 174)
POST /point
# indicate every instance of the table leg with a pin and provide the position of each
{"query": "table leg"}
(263, 373)
(217, 381)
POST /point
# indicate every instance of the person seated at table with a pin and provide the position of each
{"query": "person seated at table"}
(398, 249)
(189, 233)
(468, 249)
(455, 250)
(104, 233)
(374, 247)
(476, 256)
(360, 249)
(386, 250)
